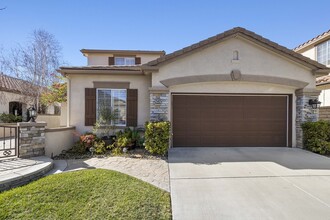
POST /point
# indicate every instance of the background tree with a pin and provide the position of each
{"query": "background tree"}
(36, 62)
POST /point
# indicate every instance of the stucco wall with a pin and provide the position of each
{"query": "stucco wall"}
(58, 139)
(310, 53)
(253, 60)
(324, 97)
(77, 96)
(53, 121)
(103, 59)
(6, 97)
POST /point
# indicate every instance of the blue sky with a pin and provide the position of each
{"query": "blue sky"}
(157, 25)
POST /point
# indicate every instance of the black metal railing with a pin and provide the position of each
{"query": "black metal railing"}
(8, 141)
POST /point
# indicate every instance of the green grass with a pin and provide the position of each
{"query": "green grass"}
(86, 194)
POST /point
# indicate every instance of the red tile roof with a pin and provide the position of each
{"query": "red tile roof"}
(14, 85)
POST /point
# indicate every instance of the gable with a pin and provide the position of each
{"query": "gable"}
(217, 59)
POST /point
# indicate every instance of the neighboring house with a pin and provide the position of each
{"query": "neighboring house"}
(318, 49)
(233, 89)
(15, 96)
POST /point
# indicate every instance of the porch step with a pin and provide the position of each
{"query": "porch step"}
(16, 172)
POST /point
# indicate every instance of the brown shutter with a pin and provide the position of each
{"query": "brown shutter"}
(132, 99)
(137, 60)
(111, 61)
(90, 106)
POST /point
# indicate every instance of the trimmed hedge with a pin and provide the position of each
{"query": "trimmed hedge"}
(317, 136)
(157, 137)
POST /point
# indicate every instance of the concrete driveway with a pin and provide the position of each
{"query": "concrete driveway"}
(249, 183)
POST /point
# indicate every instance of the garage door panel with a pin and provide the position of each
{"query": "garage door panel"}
(211, 120)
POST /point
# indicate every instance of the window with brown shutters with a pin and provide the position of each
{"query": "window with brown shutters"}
(90, 106)
(137, 60)
(132, 99)
(111, 61)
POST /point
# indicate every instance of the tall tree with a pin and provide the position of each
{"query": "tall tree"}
(36, 62)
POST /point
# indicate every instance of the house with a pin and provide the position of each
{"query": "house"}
(16, 96)
(318, 49)
(233, 89)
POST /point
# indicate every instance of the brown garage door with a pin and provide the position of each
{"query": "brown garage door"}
(224, 121)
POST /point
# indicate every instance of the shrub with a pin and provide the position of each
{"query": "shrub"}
(317, 136)
(78, 147)
(127, 138)
(157, 137)
(99, 147)
(10, 118)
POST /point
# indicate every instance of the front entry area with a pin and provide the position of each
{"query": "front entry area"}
(216, 120)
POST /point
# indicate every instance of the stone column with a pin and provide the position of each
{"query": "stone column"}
(304, 111)
(31, 139)
(159, 103)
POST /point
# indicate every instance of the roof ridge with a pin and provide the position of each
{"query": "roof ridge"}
(231, 32)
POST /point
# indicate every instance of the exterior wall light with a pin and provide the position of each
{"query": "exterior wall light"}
(32, 114)
(314, 103)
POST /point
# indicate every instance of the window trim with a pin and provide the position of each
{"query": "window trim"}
(327, 49)
(97, 104)
(125, 57)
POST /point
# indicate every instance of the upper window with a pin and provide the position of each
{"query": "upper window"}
(125, 61)
(112, 101)
(323, 53)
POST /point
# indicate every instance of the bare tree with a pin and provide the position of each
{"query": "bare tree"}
(36, 62)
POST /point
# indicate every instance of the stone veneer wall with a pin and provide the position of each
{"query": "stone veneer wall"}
(32, 140)
(324, 113)
(304, 111)
(159, 105)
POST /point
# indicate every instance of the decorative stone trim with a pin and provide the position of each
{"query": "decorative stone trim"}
(159, 101)
(304, 111)
(31, 139)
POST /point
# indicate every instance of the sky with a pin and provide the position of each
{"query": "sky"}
(157, 24)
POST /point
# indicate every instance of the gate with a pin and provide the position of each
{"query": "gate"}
(8, 141)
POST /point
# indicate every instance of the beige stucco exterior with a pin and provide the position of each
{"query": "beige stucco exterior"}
(310, 52)
(253, 60)
(260, 69)
(77, 96)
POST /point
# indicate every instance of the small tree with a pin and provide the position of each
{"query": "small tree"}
(56, 93)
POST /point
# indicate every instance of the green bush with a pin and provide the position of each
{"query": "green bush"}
(317, 136)
(99, 146)
(157, 137)
(127, 138)
(10, 118)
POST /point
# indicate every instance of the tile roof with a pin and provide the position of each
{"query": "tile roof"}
(160, 52)
(102, 67)
(244, 33)
(323, 80)
(313, 40)
(14, 85)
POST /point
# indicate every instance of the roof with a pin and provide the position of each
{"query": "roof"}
(14, 85)
(126, 52)
(137, 69)
(238, 31)
(323, 80)
(313, 41)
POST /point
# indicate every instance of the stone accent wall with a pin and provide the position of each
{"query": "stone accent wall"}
(159, 106)
(324, 113)
(31, 139)
(304, 111)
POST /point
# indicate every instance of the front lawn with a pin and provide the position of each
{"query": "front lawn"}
(86, 194)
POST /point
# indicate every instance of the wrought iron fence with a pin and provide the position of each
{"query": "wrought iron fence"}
(9, 141)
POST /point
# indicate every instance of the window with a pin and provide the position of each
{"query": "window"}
(125, 61)
(323, 53)
(112, 101)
